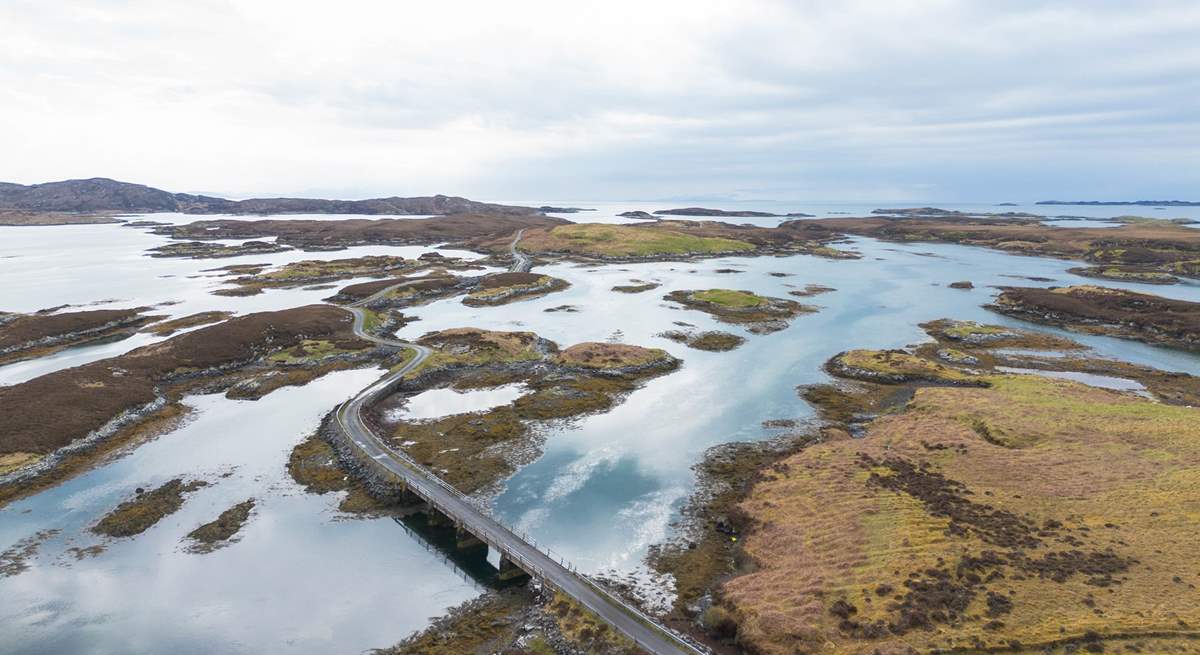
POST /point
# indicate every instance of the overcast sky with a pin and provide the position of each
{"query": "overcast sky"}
(841, 100)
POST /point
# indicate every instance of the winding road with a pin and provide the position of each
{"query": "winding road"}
(515, 549)
(521, 262)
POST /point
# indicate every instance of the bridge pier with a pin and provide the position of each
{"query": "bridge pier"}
(464, 540)
(510, 571)
(409, 499)
(439, 520)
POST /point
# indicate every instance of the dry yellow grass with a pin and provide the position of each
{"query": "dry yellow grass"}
(1048, 512)
(599, 355)
(625, 241)
(10, 462)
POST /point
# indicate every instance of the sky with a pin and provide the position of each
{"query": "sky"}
(846, 100)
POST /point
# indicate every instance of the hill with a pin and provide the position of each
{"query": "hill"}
(100, 194)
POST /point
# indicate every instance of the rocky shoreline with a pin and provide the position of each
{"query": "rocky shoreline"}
(1100, 310)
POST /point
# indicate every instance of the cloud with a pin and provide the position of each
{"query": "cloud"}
(817, 100)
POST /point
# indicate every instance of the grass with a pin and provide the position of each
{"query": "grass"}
(476, 347)
(610, 356)
(729, 298)
(313, 465)
(141, 512)
(969, 334)
(711, 341)
(585, 629)
(10, 462)
(636, 288)
(1115, 312)
(316, 269)
(167, 328)
(759, 314)
(966, 329)
(371, 320)
(309, 350)
(625, 241)
(1125, 274)
(522, 287)
(221, 530)
(486, 624)
(500, 290)
(1020, 516)
(895, 366)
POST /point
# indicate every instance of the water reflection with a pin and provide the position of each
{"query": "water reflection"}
(437, 403)
(607, 485)
(299, 575)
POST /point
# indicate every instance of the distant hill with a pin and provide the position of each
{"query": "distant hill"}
(1143, 203)
(100, 194)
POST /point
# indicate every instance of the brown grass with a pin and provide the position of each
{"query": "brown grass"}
(1157, 245)
(167, 328)
(221, 530)
(141, 512)
(53, 410)
(25, 333)
(341, 233)
(600, 355)
(1128, 314)
(1023, 515)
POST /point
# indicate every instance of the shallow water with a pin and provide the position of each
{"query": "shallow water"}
(106, 266)
(299, 579)
(1090, 379)
(437, 403)
(607, 211)
(605, 488)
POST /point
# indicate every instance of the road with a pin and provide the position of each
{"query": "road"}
(517, 549)
(521, 262)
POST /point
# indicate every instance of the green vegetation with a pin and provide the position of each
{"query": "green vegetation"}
(312, 270)
(759, 314)
(622, 240)
(895, 367)
(503, 288)
(476, 347)
(313, 465)
(729, 298)
(970, 334)
(487, 624)
(585, 629)
(307, 351)
(1127, 274)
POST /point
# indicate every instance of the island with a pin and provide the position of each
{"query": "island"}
(722, 213)
(1108, 203)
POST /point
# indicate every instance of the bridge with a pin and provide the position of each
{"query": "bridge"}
(519, 555)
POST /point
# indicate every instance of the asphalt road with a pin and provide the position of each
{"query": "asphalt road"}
(521, 262)
(517, 549)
